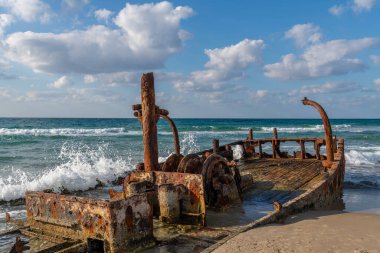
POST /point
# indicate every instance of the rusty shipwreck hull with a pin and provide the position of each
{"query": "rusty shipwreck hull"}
(185, 189)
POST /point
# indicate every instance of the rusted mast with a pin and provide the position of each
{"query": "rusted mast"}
(148, 121)
(327, 127)
(175, 133)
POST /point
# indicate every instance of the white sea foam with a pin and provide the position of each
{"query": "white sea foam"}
(80, 169)
(315, 128)
(66, 131)
(237, 151)
(189, 144)
(363, 157)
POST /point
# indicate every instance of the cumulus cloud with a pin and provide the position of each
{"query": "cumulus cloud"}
(362, 5)
(146, 36)
(62, 82)
(103, 14)
(33, 10)
(5, 20)
(376, 82)
(356, 6)
(304, 34)
(74, 4)
(82, 95)
(89, 79)
(115, 79)
(322, 59)
(259, 94)
(326, 88)
(375, 59)
(153, 26)
(337, 10)
(224, 65)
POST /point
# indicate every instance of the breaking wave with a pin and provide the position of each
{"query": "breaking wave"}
(64, 131)
(81, 169)
(363, 156)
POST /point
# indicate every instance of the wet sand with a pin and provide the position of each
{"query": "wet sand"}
(314, 231)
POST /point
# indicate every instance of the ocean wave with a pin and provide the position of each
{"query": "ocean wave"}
(66, 131)
(363, 157)
(81, 169)
(315, 128)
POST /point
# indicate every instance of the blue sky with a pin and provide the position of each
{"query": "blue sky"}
(251, 59)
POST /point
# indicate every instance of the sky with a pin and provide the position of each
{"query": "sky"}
(218, 59)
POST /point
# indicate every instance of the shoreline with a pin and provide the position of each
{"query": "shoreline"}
(312, 231)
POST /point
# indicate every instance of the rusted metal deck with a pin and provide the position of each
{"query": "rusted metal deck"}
(278, 180)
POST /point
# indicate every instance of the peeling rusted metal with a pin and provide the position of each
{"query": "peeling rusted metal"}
(220, 186)
(175, 133)
(149, 119)
(82, 218)
(191, 194)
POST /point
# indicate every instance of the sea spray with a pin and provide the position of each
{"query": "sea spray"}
(189, 144)
(237, 151)
(81, 168)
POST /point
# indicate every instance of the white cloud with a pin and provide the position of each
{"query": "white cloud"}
(375, 59)
(148, 34)
(259, 94)
(83, 95)
(30, 11)
(322, 59)
(5, 20)
(103, 14)
(5, 93)
(225, 64)
(89, 79)
(326, 88)
(153, 26)
(304, 34)
(377, 82)
(356, 6)
(74, 4)
(62, 82)
(362, 5)
(337, 10)
(115, 79)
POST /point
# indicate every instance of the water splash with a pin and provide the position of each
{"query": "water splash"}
(189, 144)
(80, 168)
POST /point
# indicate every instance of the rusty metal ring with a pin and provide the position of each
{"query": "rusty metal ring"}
(190, 164)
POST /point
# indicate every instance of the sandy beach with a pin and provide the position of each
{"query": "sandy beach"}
(314, 231)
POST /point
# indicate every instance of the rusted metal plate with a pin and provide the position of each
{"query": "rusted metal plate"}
(83, 218)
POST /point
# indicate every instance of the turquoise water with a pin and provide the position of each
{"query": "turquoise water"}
(56, 154)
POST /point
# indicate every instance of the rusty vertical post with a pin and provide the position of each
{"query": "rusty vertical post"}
(260, 150)
(303, 152)
(250, 134)
(317, 148)
(327, 127)
(273, 149)
(149, 119)
(215, 146)
(275, 133)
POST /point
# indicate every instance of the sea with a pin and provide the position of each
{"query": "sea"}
(74, 155)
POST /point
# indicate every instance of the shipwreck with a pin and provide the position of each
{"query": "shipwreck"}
(175, 203)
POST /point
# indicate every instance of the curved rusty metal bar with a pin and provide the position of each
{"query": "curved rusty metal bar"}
(175, 133)
(327, 127)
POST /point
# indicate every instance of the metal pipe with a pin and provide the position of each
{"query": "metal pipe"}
(327, 127)
(175, 133)
(149, 120)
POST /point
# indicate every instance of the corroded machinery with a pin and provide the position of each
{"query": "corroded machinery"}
(183, 188)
